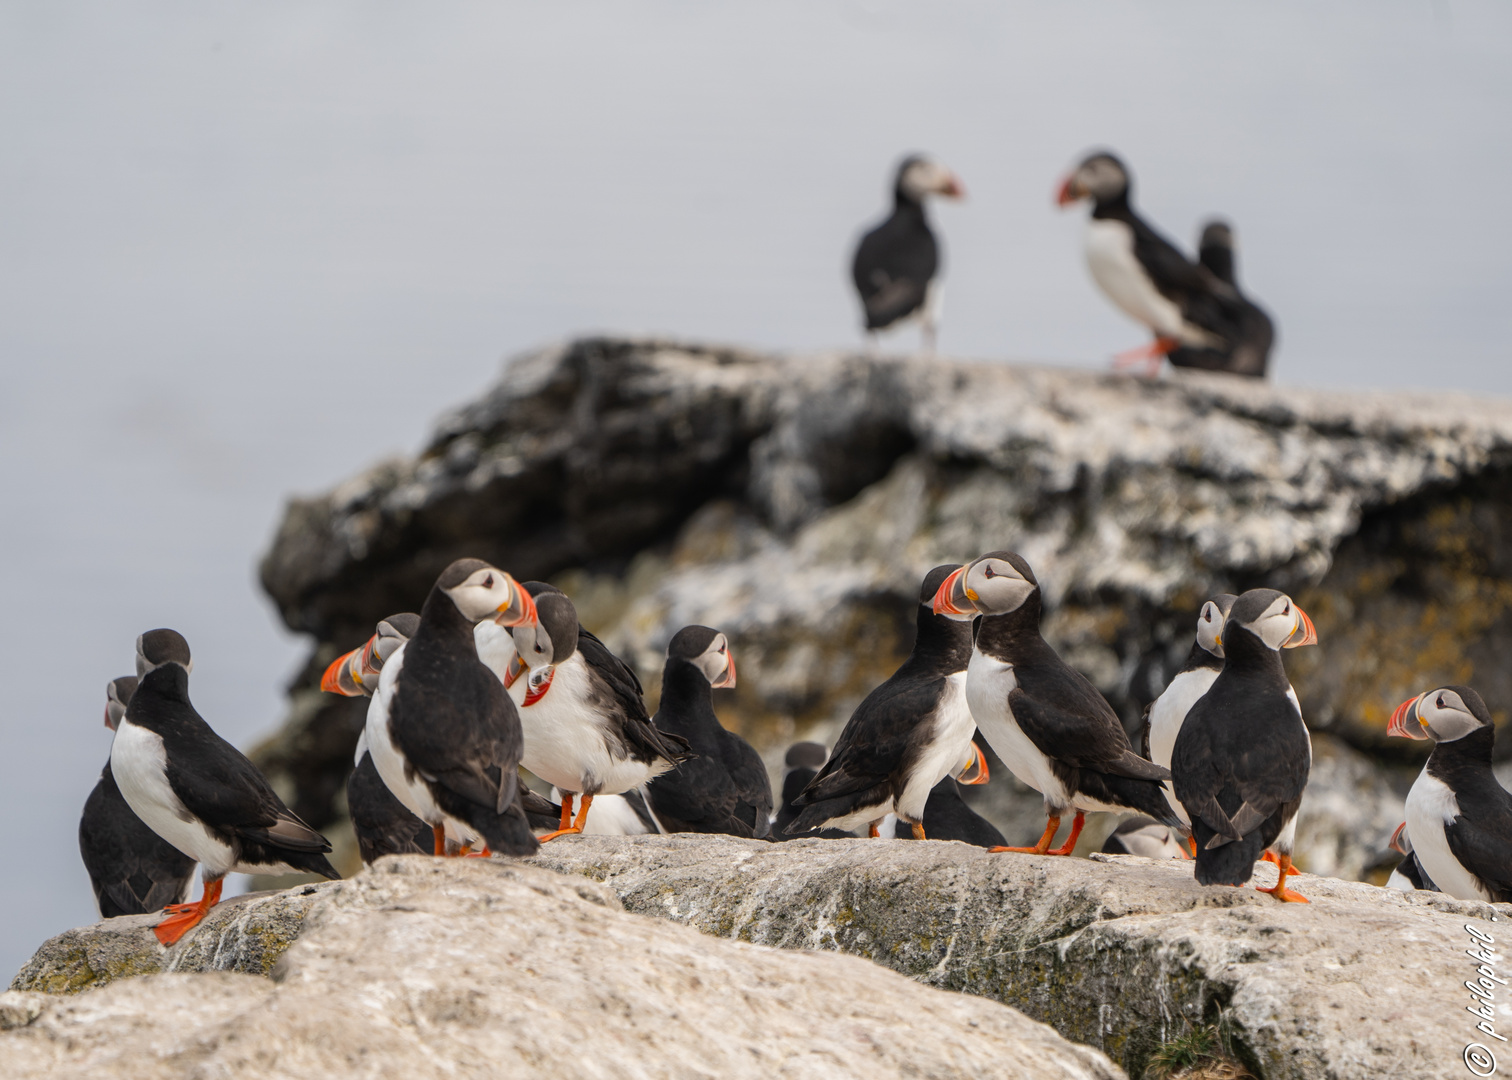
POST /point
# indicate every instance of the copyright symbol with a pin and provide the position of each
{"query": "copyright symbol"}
(1479, 1060)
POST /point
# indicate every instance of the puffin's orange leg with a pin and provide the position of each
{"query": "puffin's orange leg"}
(566, 822)
(185, 917)
(1192, 845)
(1044, 841)
(568, 825)
(1281, 892)
(918, 831)
(874, 830)
(1152, 355)
(585, 801)
(439, 833)
(1076, 827)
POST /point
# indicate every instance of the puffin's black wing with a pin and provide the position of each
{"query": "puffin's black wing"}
(893, 266)
(874, 742)
(752, 786)
(1081, 740)
(1169, 270)
(133, 870)
(1485, 849)
(645, 740)
(618, 674)
(383, 824)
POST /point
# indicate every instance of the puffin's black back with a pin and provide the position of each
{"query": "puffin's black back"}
(626, 704)
(132, 869)
(895, 262)
(947, 817)
(383, 824)
(217, 784)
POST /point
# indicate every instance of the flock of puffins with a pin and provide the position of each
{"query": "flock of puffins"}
(493, 675)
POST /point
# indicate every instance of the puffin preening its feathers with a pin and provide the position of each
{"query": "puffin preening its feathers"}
(1184, 304)
(132, 869)
(443, 733)
(1458, 814)
(896, 263)
(723, 787)
(1242, 756)
(904, 738)
(197, 791)
(1046, 722)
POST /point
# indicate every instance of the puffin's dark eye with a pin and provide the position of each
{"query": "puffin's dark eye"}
(488, 582)
(1286, 610)
(988, 573)
(1440, 702)
(1207, 616)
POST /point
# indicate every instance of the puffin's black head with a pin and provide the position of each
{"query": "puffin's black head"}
(1210, 622)
(919, 177)
(994, 584)
(1100, 177)
(117, 696)
(1215, 250)
(1273, 617)
(158, 647)
(932, 582)
(706, 649)
(355, 674)
(553, 637)
(1443, 715)
(806, 755)
(480, 591)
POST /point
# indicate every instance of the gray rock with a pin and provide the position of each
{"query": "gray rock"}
(1119, 953)
(443, 968)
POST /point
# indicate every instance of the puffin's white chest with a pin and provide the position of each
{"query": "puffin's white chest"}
(567, 743)
(951, 725)
(1166, 717)
(1110, 258)
(1431, 805)
(988, 684)
(139, 762)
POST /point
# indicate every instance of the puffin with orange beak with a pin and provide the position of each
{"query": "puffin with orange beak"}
(1459, 816)
(443, 733)
(1408, 874)
(724, 787)
(904, 738)
(1046, 722)
(1241, 759)
(896, 263)
(1143, 273)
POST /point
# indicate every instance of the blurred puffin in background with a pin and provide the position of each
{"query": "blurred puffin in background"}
(897, 262)
(1247, 350)
(1407, 874)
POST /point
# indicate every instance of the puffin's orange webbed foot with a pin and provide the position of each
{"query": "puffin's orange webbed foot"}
(183, 918)
(1041, 848)
(1279, 890)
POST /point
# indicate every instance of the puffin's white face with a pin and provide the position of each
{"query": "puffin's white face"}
(1099, 178)
(533, 644)
(1283, 625)
(994, 587)
(1440, 715)
(1210, 628)
(115, 708)
(717, 663)
(488, 592)
(386, 643)
(925, 177)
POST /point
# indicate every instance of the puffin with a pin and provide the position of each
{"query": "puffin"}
(906, 736)
(197, 791)
(801, 764)
(1247, 351)
(1408, 874)
(1458, 815)
(896, 262)
(382, 823)
(1241, 759)
(1045, 721)
(1169, 710)
(585, 724)
(443, 733)
(946, 815)
(132, 869)
(1143, 273)
(724, 787)
(1140, 835)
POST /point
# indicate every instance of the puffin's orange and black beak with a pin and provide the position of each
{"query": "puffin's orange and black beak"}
(355, 673)
(521, 609)
(1396, 843)
(953, 188)
(1304, 634)
(1405, 721)
(976, 772)
(727, 677)
(951, 598)
(1069, 192)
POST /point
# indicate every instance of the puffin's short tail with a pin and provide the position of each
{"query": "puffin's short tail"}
(1232, 863)
(1147, 797)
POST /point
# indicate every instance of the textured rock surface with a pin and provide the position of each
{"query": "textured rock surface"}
(1120, 953)
(246, 933)
(438, 968)
(795, 501)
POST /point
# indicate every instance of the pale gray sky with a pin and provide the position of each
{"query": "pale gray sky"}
(246, 249)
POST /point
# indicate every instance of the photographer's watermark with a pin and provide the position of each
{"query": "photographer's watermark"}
(1480, 1058)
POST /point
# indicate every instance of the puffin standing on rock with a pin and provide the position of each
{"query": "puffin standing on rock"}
(1143, 273)
(132, 869)
(197, 791)
(895, 264)
(946, 815)
(1458, 814)
(1247, 350)
(585, 724)
(1046, 722)
(723, 787)
(1242, 756)
(444, 735)
(904, 738)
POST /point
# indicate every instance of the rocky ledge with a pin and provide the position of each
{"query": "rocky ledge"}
(442, 968)
(462, 958)
(795, 501)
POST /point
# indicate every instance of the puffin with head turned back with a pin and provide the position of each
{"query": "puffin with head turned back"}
(723, 787)
(895, 263)
(906, 736)
(132, 869)
(197, 791)
(1046, 722)
(946, 815)
(1245, 351)
(1408, 874)
(443, 734)
(1458, 814)
(1241, 759)
(1143, 273)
